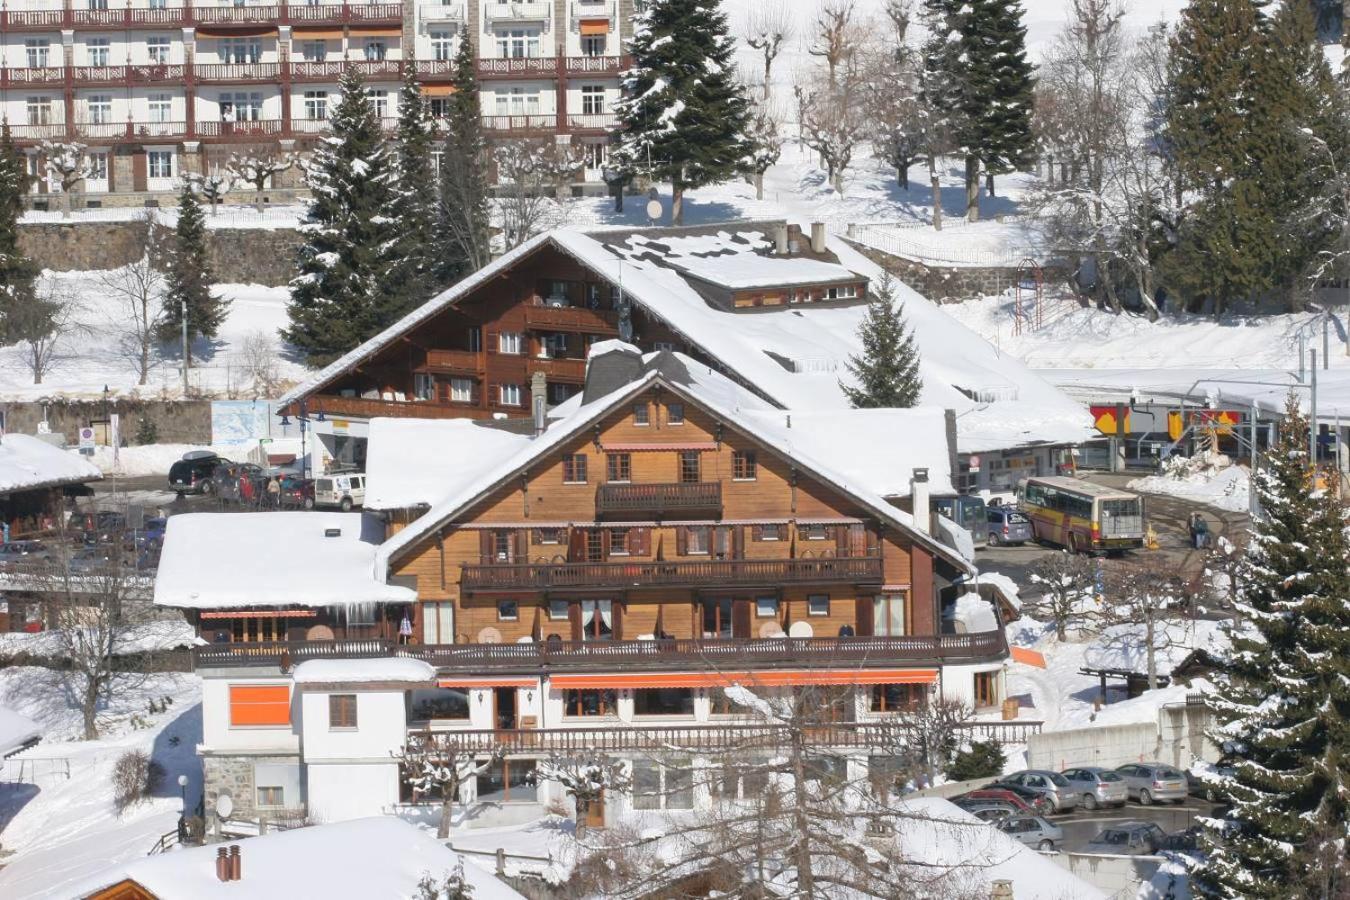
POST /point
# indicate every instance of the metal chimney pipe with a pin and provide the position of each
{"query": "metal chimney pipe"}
(236, 864)
(222, 864)
(539, 402)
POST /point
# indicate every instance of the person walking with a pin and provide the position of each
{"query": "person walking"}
(273, 493)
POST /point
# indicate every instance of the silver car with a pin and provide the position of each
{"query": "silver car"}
(1095, 786)
(1127, 839)
(1152, 781)
(1050, 785)
(1033, 831)
(1008, 526)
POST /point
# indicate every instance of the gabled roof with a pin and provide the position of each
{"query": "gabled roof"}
(28, 463)
(704, 389)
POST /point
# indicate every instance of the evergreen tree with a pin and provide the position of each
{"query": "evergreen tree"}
(887, 370)
(1282, 700)
(189, 279)
(464, 242)
(998, 97)
(347, 291)
(18, 273)
(415, 203)
(683, 117)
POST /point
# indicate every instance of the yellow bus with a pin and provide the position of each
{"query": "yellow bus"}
(1082, 516)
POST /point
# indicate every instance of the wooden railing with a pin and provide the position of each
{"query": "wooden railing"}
(560, 369)
(454, 361)
(525, 124)
(657, 499)
(679, 654)
(237, 71)
(597, 65)
(243, 129)
(360, 407)
(572, 318)
(591, 121)
(667, 573)
(202, 14)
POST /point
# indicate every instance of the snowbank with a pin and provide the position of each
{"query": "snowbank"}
(28, 463)
(356, 671)
(1228, 488)
(150, 637)
(15, 731)
(975, 613)
(145, 459)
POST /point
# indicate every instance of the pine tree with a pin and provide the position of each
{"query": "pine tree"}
(464, 241)
(346, 291)
(415, 204)
(684, 117)
(941, 75)
(18, 274)
(999, 98)
(887, 370)
(189, 279)
(1282, 700)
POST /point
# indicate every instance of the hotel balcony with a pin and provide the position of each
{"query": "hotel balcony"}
(27, 77)
(242, 130)
(332, 70)
(596, 65)
(677, 654)
(129, 131)
(366, 13)
(497, 11)
(596, 123)
(573, 319)
(643, 501)
(517, 66)
(560, 369)
(520, 126)
(236, 15)
(683, 573)
(368, 408)
(592, 9)
(237, 72)
(441, 12)
(37, 132)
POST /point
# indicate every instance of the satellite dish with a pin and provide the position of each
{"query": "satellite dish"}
(653, 209)
(224, 806)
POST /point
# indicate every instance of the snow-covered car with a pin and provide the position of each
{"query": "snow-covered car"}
(342, 491)
(1127, 839)
(1096, 786)
(1033, 831)
(1150, 782)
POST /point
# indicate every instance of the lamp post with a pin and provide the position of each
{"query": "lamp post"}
(302, 419)
(182, 819)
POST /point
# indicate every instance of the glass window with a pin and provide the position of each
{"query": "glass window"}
(503, 546)
(574, 468)
(509, 394)
(158, 49)
(508, 610)
(553, 345)
(697, 539)
(594, 154)
(99, 107)
(663, 701)
(618, 467)
(341, 710)
(766, 607)
(461, 390)
(717, 617)
(376, 49)
(548, 535)
(771, 532)
(674, 413)
(662, 785)
(640, 414)
(271, 796)
(592, 99)
(424, 386)
(36, 51)
(314, 51)
(892, 697)
(161, 107)
(428, 704)
(888, 615)
(597, 620)
(558, 610)
(442, 45)
(98, 166)
(618, 542)
(97, 50)
(510, 342)
(593, 45)
(689, 466)
(818, 604)
(589, 703)
(39, 110)
(507, 781)
(160, 163)
(438, 623)
(743, 466)
(316, 105)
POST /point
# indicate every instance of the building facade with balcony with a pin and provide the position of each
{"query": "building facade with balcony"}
(163, 88)
(599, 580)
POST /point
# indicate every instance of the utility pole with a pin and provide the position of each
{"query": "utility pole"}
(1312, 414)
(182, 315)
(1253, 502)
(1326, 339)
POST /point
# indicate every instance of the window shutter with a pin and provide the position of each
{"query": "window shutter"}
(617, 623)
(574, 617)
(642, 539)
(604, 544)
(740, 618)
(738, 542)
(841, 540)
(682, 540)
(756, 532)
(863, 613)
(493, 342)
(522, 546)
(485, 546)
(576, 545)
(857, 540)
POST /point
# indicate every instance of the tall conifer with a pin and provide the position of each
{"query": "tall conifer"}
(18, 273)
(887, 369)
(189, 279)
(415, 201)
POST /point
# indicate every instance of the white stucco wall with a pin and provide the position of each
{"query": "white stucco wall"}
(219, 735)
(340, 791)
(381, 726)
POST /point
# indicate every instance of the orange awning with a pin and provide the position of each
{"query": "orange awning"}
(316, 34)
(768, 678)
(224, 31)
(377, 31)
(262, 614)
(639, 447)
(437, 90)
(1029, 657)
(487, 682)
(595, 26)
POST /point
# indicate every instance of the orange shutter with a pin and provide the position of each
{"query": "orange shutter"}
(260, 704)
(377, 31)
(595, 26)
(316, 34)
(437, 90)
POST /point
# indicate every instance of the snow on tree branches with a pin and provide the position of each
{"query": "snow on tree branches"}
(887, 370)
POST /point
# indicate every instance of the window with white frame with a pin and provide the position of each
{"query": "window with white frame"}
(841, 292)
(98, 166)
(96, 51)
(518, 43)
(161, 107)
(379, 101)
(39, 110)
(241, 106)
(593, 45)
(376, 49)
(157, 49)
(461, 390)
(442, 45)
(594, 154)
(440, 108)
(98, 109)
(316, 104)
(314, 51)
(159, 163)
(511, 342)
(592, 99)
(424, 386)
(888, 614)
(517, 102)
(662, 784)
(159, 4)
(508, 394)
(240, 50)
(101, 5)
(437, 157)
(36, 52)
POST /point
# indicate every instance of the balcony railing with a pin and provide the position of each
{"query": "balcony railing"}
(237, 71)
(345, 12)
(678, 654)
(244, 129)
(599, 122)
(362, 408)
(23, 131)
(504, 125)
(202, 14)
(658, 499)
(572, 318)
(560, 369)
(455, 361)
(517, 65)
(668, 573)
(592, 9)
(441, 12)
(518, 12)
(231, 15)
(36, 75)
(597, 65)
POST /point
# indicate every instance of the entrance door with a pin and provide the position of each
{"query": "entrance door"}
(504, 707)
(595, 813)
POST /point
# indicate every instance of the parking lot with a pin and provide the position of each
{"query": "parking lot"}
(1081, 826)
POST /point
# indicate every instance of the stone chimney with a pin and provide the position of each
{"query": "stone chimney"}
(919, 497)
(539, 402)
(780, 240)
(817, 237)
(1001, 889)
(612, 365)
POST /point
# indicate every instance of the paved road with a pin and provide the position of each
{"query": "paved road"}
(1081, 826)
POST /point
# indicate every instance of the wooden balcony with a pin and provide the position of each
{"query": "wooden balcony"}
(680, 654)
(577, 319)
(362, 408)
(518, 67)
(520, 126)
(236, 15)
(591, 123)
(454, 362)
(333, 70)
(658, 500)
(127, 18)
(596, 65)
(242, 130)
(237, 72)
(33, 19)
(570, 370)
(672, 573)
(365, 13)
(128, 131)
(25, 77)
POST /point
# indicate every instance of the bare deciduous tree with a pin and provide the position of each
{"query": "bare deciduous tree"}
(261, 362)
(926, 735)
(435, 765)
(1142, 608)
(766, 145)
(259, 168)
(587, 778)
(834, 35)
(832, 123)
(214, 185)
(138, 288)
(69, 164)
(1067, 582)
(41, 327)
(770, 25)
(533, 175)
(899, 128)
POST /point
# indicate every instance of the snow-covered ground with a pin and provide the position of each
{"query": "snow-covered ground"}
(1228, 488)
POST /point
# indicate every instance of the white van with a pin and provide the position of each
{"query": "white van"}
(342, 491)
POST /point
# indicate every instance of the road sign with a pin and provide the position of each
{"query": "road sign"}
(974, 462)
(86, 438)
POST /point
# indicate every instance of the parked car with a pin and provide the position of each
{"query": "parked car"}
(91, 560)
(1187, 841)
(1197, 787)
(1151, 781)
(19, 553)
(1096, 786)
(342, 491)
(1033, 831)
(989, 810)
(1008, 526)
(192, 473)
(1010, 794)
(1127, 839)
(1045, 783)
(296, 493)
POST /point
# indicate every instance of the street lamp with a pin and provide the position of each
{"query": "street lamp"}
(182, 819)
(302, 418)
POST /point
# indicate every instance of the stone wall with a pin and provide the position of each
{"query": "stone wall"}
(949, 284)
(177, 421)
(240, 255)
(233, 775)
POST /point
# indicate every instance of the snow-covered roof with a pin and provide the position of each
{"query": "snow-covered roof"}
(700, 385)
(796, 356)
(27, 463)
(375, 857)
(417, 461)
(212, 561)
(16, 731)
(357, 671)
(740, 271)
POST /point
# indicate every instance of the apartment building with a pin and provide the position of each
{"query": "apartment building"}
(162, 88)
(598, 580)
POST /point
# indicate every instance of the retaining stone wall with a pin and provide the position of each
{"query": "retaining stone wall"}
(233, 775)
(949, 284)
(177, 421)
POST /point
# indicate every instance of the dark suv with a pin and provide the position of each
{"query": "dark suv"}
(193, 476)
